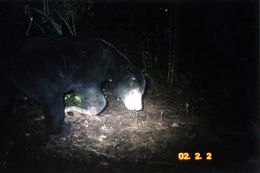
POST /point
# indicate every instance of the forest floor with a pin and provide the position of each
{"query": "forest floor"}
(172, 134)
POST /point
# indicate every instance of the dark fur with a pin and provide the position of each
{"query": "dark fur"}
(45, 68)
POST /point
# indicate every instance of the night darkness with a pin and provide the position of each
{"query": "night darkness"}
(200, 62)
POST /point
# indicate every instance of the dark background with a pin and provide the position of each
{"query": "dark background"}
(216, 42)
(216, 48)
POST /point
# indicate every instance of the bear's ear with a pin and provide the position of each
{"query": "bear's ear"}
(129, 68)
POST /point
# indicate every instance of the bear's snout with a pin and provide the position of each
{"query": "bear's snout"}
(133, 100)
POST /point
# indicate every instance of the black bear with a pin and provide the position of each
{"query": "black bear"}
(45, 68)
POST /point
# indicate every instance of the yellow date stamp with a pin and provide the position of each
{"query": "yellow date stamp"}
(195, 156)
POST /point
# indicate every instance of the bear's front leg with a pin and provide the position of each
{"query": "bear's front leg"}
(93, 100)
(53, 108)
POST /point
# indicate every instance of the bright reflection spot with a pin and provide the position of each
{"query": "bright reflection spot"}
(101, 138)
(133, 100)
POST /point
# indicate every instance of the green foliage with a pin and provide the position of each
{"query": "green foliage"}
(72, 100)
(58, 17)
(45, 17)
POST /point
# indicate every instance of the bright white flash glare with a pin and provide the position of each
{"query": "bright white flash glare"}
(133, 100)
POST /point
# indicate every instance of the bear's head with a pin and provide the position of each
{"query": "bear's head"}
(130, 89)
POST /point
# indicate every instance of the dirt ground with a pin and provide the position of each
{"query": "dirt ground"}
(157, 139)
